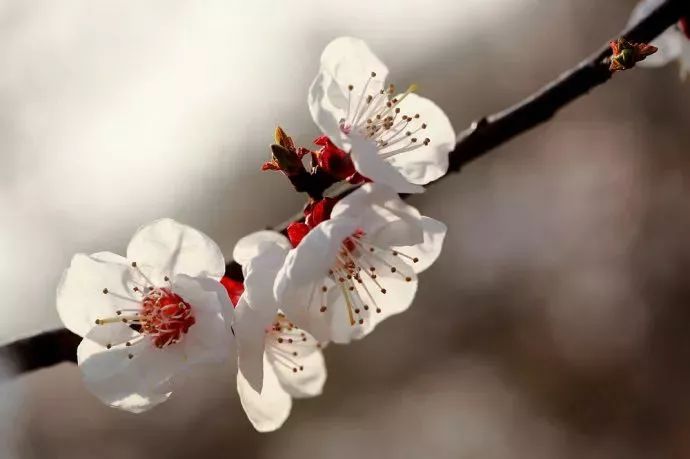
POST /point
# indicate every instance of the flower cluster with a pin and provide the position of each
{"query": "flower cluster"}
(351, 263)
(673, 44)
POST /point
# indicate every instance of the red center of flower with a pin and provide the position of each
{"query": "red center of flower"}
(165, 316)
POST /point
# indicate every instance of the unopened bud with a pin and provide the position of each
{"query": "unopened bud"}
(626, 54)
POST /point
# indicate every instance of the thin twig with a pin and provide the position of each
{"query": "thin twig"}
(50, 348)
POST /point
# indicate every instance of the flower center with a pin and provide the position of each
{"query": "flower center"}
(377, 116)
(165, 316)
(356, 274)
(161, 314)
(286, 343)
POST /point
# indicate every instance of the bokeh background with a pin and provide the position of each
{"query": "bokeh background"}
(555, 323)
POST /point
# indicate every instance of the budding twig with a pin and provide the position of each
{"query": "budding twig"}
(487, 133)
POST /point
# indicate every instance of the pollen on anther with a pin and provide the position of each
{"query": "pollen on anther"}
(105, 290)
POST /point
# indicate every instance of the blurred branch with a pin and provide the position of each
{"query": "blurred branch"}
(50, 348)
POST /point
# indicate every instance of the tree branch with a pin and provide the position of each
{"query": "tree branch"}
(50, 348)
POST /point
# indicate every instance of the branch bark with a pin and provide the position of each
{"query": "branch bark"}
(485, 134)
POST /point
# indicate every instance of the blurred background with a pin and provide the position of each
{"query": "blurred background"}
(555, 323)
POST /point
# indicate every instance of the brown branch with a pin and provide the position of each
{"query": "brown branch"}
(50, 348)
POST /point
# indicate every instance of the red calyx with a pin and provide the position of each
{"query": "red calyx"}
(334, 160)
(234, 289)
(296, 232)
(319, 211)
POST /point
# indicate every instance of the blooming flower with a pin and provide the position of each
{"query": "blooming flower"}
(352, 271)
(673, 44)
(276, 359)
(146, 317)
(400, 140)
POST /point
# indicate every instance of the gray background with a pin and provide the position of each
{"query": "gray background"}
(554, 323)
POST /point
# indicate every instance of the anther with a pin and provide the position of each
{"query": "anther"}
(350, 87)
(130, 356)
(294, 354)
(423, 125)
(108, 346)
(294, 370)
(323, 309)
(301, 368)
(361, 321)
(378, 310)
(119, 313)
(128, 344)
(366, 307)
(324, 289)
(290, 341)
(383, 290)
(373, 74)
(98, 321)
(280, 340)
(134, 264)
(105, 291)
(408, 279)
(393, 269)
(166, 278)
(356, 311)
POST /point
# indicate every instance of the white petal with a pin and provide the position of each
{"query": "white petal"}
(307, 382)
(327, 105)
(250, 334)
(345, 61)
(166, 247)
(425, 163)
(428, 251)
(260, 274)
(135, 384)
(365, 157)
(380, 210)
(269, 409)
(253, 244)
(208, 339)
(80, 297)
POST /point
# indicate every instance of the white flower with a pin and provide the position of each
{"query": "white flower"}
(351, 272)
(673, 44)
(276, 360)
(147, 317)
(400, 140)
